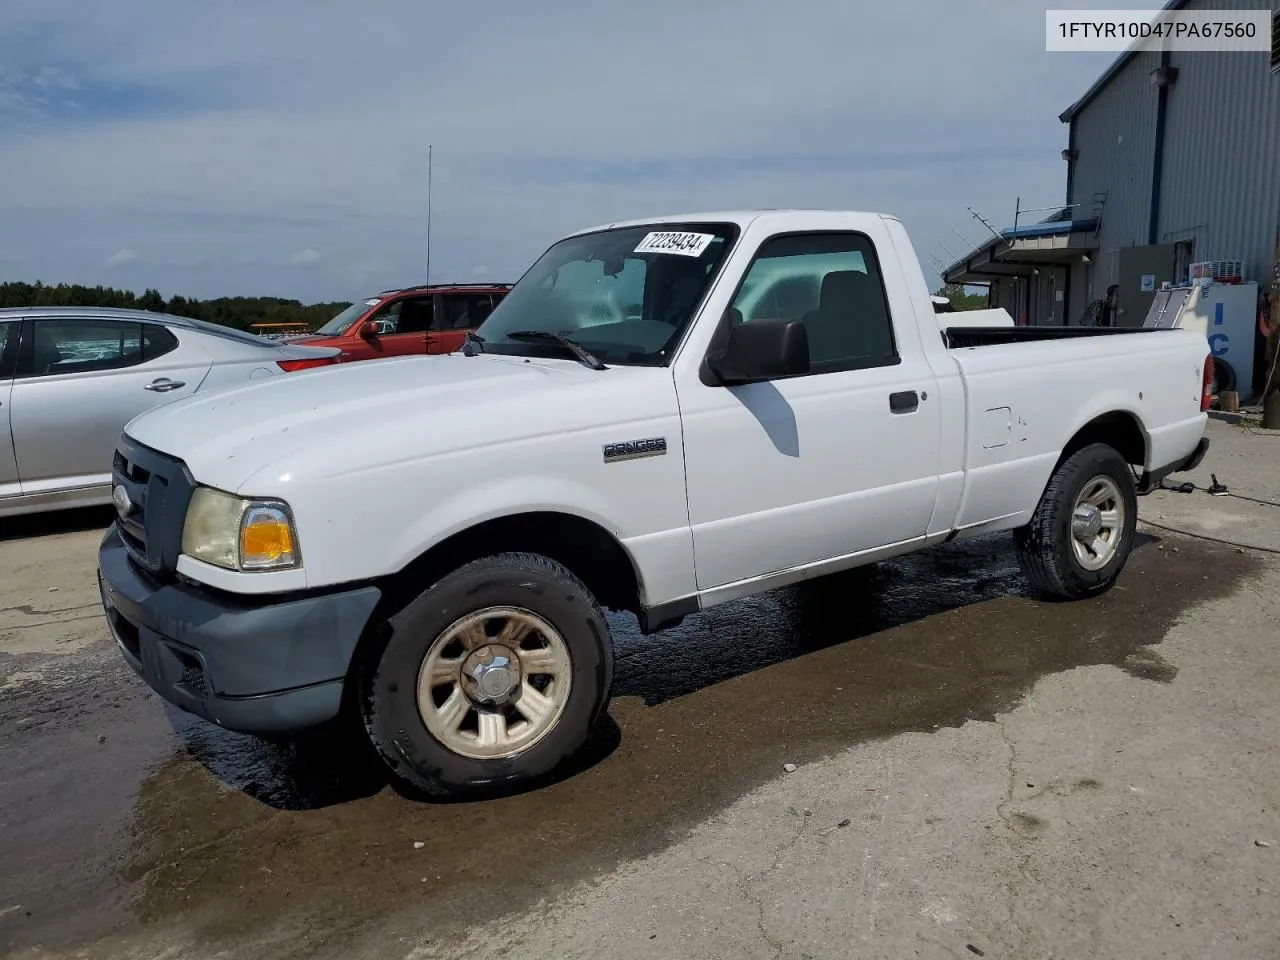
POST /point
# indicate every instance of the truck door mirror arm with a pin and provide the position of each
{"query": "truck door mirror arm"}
(760, 350)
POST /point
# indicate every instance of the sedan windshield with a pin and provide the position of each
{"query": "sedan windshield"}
(343, 321)
(624, 295)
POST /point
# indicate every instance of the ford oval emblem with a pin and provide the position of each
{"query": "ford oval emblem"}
(120, 497)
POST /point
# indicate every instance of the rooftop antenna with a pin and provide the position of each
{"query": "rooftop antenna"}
(967, 242)
(427, 279)
(948, 252)
(983, 220)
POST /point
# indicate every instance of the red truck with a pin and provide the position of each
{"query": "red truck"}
(395, 323)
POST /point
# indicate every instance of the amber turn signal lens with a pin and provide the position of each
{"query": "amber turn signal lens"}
(266, 539)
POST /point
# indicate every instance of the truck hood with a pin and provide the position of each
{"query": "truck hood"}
(400, 409)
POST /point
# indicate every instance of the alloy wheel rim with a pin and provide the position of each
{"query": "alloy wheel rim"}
(1097, 523)
(494, 683)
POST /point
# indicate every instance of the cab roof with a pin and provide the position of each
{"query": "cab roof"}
(741, 218)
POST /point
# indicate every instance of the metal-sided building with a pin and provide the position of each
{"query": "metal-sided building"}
(1173, 157)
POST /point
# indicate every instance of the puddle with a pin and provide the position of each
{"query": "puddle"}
(308, 848)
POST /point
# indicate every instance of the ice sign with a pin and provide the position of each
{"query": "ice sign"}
(674, 241)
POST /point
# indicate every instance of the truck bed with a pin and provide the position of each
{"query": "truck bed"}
(958, 338)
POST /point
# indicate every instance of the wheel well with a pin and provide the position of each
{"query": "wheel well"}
(1118, 430)
(588, 550)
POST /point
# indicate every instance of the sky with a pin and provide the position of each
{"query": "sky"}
(279, 148)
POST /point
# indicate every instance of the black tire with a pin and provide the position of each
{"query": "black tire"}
(1224, 377)
(389, 702)
(1044, 545)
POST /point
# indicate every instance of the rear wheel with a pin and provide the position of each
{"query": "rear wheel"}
(1081, 533)
(491, 678)
(1224, 377)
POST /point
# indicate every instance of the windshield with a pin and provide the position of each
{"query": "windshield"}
(343, 321)
(625, 295)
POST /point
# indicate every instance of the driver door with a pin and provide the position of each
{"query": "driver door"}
(405, 327)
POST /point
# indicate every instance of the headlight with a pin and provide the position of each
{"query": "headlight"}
(239, 534)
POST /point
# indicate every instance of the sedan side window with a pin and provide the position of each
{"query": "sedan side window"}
(90, 346)
(8, 347)
(831, 283)
(157, 341)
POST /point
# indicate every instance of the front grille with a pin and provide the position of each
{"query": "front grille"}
(193, 679)
(158, 488)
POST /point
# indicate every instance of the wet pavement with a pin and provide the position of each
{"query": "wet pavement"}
(121, 817)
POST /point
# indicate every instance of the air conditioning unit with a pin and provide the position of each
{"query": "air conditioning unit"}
(1217, 271)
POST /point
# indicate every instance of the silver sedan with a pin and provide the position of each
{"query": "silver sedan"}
(71, 378)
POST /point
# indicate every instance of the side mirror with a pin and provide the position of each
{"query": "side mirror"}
(762, 350)
(369, 329)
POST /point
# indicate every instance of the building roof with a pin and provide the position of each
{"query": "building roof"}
(1049, 228)
(1117, 65)
(1050, 241)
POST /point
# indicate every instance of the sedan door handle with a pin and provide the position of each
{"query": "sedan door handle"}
(164, 385)
(905, 401)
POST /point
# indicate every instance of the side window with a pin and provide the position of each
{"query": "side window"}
(416, 314)
(157, 341)
(464, 311)
(8, 347)
(82, 346)
(408, 315)
(388, 318)
(481, 306)
(831, 283)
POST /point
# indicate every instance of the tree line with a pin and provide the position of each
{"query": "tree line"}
(243, 312)
(238, 312)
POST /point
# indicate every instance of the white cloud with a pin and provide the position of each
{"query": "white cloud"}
(274, 133)
(121, 257)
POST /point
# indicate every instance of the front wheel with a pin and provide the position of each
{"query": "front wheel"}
(1081, 533)
(491, 678)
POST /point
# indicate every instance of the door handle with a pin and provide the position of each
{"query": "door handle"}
(905, 401)
(164, 385)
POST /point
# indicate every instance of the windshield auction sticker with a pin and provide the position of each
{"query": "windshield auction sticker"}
(684, 244)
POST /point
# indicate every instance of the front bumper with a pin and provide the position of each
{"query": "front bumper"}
(245, 663)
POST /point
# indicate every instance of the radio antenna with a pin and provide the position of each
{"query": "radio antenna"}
(983, 220)
(428, 277)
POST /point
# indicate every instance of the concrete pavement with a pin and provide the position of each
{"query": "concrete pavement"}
(978, 774)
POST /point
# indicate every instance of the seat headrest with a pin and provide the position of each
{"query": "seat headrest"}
(843, 284)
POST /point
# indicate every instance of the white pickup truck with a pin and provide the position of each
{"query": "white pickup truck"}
(661, 416)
